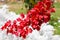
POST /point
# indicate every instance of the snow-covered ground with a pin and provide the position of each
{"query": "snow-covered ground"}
(46, 32)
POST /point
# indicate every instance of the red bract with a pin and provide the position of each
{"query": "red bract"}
(53, 10)
(22, 15)
(40, 17)
(46, 18)
(34, 18)
(18, 19)
(7, 24)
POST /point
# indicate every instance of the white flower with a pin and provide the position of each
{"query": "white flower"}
(59, 21)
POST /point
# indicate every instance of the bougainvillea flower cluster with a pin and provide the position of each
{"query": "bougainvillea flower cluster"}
(25, 24)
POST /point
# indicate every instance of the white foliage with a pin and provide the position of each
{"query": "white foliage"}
(56, 37)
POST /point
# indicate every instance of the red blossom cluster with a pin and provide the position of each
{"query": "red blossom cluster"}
(35, 17)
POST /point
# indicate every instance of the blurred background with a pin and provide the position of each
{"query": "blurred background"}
(20, 6)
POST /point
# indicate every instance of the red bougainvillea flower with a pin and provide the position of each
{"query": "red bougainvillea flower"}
(7, 24)
(39, 14)
(22, 15)
(53, 10)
